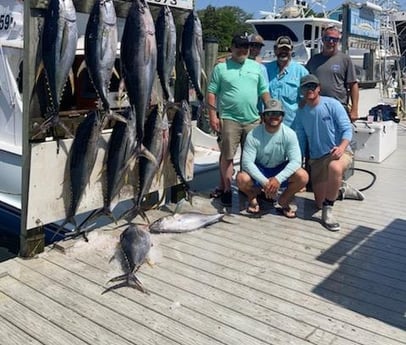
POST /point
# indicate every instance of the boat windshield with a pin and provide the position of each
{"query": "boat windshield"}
(270, 32)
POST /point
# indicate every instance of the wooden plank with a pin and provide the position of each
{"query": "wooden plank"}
(293, 296)
(269, 264)
(124, 311)
(215, 303)
(12, 335)
(36, 326)
(58, 314)
(310, 251)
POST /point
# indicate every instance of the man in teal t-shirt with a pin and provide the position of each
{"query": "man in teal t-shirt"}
(272, 159)
(235, 86)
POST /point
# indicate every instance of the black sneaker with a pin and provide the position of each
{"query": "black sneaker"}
(226, 198)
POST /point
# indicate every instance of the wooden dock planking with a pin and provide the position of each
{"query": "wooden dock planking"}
(12, 335)
(256, 281)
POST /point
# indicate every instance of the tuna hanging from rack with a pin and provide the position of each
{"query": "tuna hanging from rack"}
(192, 51)
(156, 141)
(101, 42)
(80, 164)
(58, 47)
(139, 58)
(180, 145)
(166, 44)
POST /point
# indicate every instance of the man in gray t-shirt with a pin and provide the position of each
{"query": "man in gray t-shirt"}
(336, 72)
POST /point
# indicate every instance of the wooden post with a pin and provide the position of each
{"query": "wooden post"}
(31, 240)
(344, 34)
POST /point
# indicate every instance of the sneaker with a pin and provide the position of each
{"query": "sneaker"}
(226, 198)
(349, 192)
(328, 220)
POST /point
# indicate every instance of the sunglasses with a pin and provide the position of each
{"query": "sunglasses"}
(256, 45)
(244, 45)
(310, 86)
(274, 113)
(330, 39)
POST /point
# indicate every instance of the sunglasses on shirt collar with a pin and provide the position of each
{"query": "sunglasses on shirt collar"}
(330, 39)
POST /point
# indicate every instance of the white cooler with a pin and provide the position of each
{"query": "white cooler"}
(375, 141)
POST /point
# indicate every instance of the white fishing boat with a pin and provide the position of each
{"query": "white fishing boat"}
(366, 29)
(11, 107)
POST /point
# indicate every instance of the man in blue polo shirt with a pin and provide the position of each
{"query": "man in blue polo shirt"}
(284, 76)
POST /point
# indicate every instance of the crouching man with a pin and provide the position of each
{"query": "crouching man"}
(272, 159)
(324, 129)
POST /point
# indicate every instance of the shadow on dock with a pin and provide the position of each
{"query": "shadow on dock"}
(371, 274)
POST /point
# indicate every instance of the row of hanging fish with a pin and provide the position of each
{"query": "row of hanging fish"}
(147, 47)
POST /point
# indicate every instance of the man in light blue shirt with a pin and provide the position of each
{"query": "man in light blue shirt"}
(324, 130)
(271, 159)
(284, 78)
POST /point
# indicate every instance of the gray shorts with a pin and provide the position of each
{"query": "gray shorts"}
(232, 134)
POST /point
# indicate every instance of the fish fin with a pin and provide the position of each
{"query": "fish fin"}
(66, 221)
(148, 155)
(41, 68)
(115, 72)
(138, 284)
(150, 262)
(130, 214)
(128, 277)
(72, 81)
(204, 75)
(117, 117)
(125, 276)
(81, 67)
(117, 286)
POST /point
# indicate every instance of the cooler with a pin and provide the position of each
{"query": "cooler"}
(374, 141)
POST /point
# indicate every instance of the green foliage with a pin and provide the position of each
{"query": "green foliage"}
(223, 22)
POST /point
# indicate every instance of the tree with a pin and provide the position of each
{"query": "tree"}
(223, 22)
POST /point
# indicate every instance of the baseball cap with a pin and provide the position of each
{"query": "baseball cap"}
(253, 38)
(309, 79)
(240, 39)
(284, 41)
(274, 106)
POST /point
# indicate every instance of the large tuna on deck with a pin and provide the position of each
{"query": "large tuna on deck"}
(132, 252)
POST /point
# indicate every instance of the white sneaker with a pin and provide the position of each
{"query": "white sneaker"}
(328, 220)
(350, 192)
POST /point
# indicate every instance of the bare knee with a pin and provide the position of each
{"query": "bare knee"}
(243, 180)
(302, 177)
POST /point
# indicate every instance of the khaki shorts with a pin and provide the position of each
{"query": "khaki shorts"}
(319, 167)
(232, 134)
